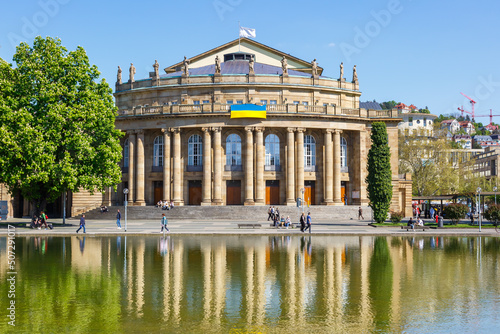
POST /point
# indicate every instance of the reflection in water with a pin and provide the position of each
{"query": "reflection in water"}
(255, 283)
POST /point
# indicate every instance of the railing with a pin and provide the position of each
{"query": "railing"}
(350, 112)
(270, 108)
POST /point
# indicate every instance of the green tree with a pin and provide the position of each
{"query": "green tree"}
(57, 128)
(455, 212)
(379, 177)
(389, 104)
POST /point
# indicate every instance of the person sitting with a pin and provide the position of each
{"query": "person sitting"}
(282, 222)
(410, 223)
(159, 204)
(165, 205)
(104, 208)
(288, 222)
(420, 222)
(171, 204)
(34, 222)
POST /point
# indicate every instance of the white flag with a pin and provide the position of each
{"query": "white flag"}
(247, 32)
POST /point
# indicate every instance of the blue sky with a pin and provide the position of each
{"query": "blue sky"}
(421, 52)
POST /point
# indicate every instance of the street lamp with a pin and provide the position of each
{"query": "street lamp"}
(125, 191)
(495, 190)
(302, 190)
(478, 190)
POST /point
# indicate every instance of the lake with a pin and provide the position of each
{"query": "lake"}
(251, 284)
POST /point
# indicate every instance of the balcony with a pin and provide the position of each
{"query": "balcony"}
(272, 168)
(191, 168)
(233, 168)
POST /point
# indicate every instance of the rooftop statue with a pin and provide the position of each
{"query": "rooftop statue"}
(217, 65)
(251, 66)
(156, 66)
(119, 76)
(131, 72)
(284, 65)
(354, 75)
(341, 71)
(314, 68)
(186, 66)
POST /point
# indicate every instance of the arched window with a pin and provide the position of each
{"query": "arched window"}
(195, 149)
(309, 151)
(272, 150)
(233, 150)
(125, 153)
(343, 152)
(158, 151)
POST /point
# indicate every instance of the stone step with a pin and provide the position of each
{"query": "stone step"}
(239, 213)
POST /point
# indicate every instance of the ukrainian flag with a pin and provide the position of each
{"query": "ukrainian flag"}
(248, 111)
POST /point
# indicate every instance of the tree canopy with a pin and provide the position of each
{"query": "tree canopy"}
(379, 177)
(57, 129)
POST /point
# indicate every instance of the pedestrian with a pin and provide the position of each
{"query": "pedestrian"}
(43, 218)
(431, 211)
(360, 214)
(269, 214)
(118, 217)
(164, 223)
(82, 224)
(308, 222)
(302, 222)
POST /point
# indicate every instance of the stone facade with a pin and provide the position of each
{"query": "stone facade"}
(320, 135)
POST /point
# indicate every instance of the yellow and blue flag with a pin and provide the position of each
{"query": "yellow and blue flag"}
(248, 111)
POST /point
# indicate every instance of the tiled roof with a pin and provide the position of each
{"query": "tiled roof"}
(370, 105)
(237, 67)
(447, 121)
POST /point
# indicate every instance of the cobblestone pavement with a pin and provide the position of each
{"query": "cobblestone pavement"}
(178, 226)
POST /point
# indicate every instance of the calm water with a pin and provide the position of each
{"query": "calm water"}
(252, 284)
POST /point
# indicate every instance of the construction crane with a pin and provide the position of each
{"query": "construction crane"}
(490, 116)
(472, 102)
(461, 109)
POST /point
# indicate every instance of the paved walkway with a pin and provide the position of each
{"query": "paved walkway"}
(144, 227)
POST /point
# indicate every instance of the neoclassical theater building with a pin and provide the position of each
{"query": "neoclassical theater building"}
(246, 124)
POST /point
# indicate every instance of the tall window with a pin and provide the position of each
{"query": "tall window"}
(233, 150)
(158, 151)
(195, 147)
(309, 151)
(272, 150)
(125, 153)
(343, 152)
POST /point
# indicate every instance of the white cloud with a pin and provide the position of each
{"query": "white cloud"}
(331, 45)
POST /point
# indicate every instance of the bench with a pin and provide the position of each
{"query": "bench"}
(249, 225)
(415, 227)
(292, 225)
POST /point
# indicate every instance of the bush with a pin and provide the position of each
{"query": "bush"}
(493, 214)
(455, 212)
(397, 217)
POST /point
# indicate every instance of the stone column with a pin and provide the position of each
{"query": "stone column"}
(178, 199)
(300, 162)
(260, 190)
(131, 165)
(207, 168)
(290, 168)
(217, 200)
(363, 171)
(166, 165)
(249, 167)
(337, 199)
(140, 169)
(328, 174)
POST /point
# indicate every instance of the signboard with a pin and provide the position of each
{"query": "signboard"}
(355, 194)
(3, 210)
(248, 111)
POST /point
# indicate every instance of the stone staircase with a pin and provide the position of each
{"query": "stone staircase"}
(239, 213)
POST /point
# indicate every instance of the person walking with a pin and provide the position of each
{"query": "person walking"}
(118, 217)
(269, 214)
(164, 223)
(360, 214)
(302, 222)
(82, 224)
(308, 222)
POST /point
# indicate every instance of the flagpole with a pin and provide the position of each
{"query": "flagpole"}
(239, 36)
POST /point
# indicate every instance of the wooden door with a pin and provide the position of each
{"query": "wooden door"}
(310, 193)
(158, 191)
(343, 194)
(194, 192)
(233, 192)
(272, 192)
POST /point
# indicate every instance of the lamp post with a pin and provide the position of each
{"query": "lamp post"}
(302, 190)
(495, 190)
(478, 190)
(125, 191)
